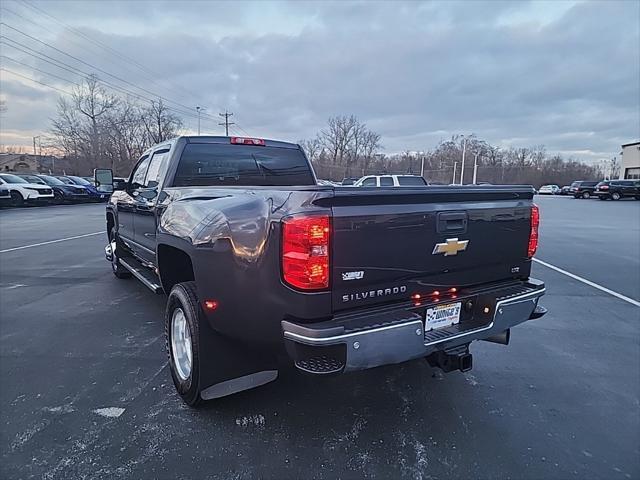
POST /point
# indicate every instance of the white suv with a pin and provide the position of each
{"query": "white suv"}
(23, 192)
(391, 181)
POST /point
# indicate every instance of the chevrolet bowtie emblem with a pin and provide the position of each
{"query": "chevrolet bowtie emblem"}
(451, 247)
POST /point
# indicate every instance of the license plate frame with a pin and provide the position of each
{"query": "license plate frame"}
(434, 319)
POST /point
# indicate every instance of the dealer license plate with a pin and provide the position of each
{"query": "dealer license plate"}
(443, 315)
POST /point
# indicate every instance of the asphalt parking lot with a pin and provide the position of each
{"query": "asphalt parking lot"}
(86, 392)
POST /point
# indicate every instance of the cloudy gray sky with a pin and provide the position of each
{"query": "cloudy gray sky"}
(562, 74)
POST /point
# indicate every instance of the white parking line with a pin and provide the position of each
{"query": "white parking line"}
(51, 241)
(589, 282)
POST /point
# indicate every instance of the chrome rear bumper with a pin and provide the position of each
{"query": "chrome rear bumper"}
(399, 336)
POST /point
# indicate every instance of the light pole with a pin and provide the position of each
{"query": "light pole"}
(475, 166)
(455, 166)
(464, 150)
(35, 152)
(198, 110)
(422, 165)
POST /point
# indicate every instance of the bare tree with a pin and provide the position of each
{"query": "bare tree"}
(67, 132)
(346, 143)
(126, 136)
(336, 138)
(614, 168)
(159, 123)
(95, 128)
(370, 145)
(93, 101)
(312, 148)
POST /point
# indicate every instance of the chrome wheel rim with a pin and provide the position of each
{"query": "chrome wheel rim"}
(181, 344)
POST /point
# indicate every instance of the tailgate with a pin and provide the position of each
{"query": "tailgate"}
(391, 243)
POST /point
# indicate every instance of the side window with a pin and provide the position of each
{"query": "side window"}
(411, 181)
(369, 182)
(137, 178)
(157, 168)
(386, 182)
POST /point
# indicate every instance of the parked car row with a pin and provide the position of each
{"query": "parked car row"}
(28, 189)
(604, 190)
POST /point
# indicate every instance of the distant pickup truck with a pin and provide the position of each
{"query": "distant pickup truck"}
(261, 263)
(390, 181)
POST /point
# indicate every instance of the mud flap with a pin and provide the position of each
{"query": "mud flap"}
(228, 366)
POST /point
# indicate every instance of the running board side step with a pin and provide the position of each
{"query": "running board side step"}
(144, 274)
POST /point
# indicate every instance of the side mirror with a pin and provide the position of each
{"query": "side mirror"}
(103, 179)
(119, 184)
(149, 194)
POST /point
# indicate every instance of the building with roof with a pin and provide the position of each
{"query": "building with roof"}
(24, 162)
(630, 166)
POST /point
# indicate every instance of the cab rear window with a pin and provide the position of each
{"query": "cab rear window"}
(205, 164)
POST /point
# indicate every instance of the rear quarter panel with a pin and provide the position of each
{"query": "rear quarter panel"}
(233, 238)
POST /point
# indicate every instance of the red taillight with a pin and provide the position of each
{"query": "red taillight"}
(305, 252)
(533, 235)
(247, 141)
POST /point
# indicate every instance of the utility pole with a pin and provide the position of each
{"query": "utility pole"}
(226, 122)
(34, 144)
(198, 110)
(475, 167)
(464, 150)
(455, 166)
(422, 166)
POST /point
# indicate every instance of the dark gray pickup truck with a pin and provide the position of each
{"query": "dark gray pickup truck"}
(261, 264)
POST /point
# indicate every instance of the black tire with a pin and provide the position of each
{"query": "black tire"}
(17, 200)
(58, 198)
(602, 197)
(638, 197)
(183, 296)
(116, 267)
(616, 196)
(586, 195)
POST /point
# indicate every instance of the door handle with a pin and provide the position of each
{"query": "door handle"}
(452, 222)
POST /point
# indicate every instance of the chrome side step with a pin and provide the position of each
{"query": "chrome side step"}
(143, 274)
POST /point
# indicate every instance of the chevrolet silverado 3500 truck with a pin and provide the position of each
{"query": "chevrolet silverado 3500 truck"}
(259, 262)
